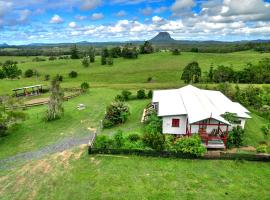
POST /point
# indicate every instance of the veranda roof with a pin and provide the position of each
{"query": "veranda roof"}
(198, 104)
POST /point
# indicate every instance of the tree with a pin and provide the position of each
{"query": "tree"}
(104, 56)
(191, 73)
(126, 94)
(11, 70)
(116, 52)
(129, 51)
(235, 137)
(176, 52)
(210, 73)
(73, 74)
(91, 54)
(55, 108)
(223, 74)
(2, 74)
(85, 86)
(150, 94)
(109, 60)
(146, 48)
(74, 52)
(28, 73)
(9, 118)
(86, 61)
(141, 94)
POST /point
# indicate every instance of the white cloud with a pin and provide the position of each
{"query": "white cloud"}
(5, 7)
(157, 19)
(97, 16)
(24, 14)
(56, 19)
(80, 17)
(121, 13)
(181, 5)
(72, 25)
(90, 4)
(146, 11)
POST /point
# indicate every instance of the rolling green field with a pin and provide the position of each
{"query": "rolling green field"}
(75, 175)
(164, 68)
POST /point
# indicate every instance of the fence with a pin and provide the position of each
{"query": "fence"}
(77, 92)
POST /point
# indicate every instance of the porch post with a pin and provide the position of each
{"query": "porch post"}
(225, 137)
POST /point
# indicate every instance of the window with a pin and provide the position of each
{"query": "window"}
(175, 122)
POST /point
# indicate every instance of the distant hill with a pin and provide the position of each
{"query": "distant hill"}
(162, 37)
(4, 45)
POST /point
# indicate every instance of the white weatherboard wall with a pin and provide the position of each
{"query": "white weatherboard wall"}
(167, 124)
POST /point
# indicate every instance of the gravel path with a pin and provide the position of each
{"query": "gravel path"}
(60, 146)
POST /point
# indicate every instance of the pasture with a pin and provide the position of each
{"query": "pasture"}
(75, 175)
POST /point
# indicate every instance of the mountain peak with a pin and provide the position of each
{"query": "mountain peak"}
(162, 37)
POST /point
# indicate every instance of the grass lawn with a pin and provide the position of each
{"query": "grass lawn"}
(76, 175)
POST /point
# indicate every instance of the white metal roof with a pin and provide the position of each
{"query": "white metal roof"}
(198, 104)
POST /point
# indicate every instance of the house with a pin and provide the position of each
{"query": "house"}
(190, 110)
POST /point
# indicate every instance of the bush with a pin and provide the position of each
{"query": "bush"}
(126, 94)
(28, 73)
(153, 136)
(134, 145)
(119, 98)
(119, 139)
(59, 77)
(134, 137)
(150, 94)
(176, 52)
(117, 113)
(261, 149)
(266, 130)
(190, 145)
(86, 62)
(37, 59)
(103, 142)
(52, 58)
(109, 61)
(149, 79)
(107, 123)
(235, 137)
(141, 94)
(85, 86)
(73, 74)
(2, 74)
(47, 77)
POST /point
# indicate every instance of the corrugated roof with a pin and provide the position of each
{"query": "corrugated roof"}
(198, 104)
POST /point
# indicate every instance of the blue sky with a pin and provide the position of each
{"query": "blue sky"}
(50, 21)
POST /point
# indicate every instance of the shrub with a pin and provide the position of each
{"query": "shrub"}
(266, 130)
(235, 137)
(153, 136)
(176, 52)
(261, 149)
(37, 59)
(149, 79)
(28, 73)
(59, 77)
(119, 139)
(109, 61)
(47, 77)
(11, 70)
(103, 142)
(107, 123)
(126, 94)
(2, 74)
(85, 86)
(134, 145)
(150, 94)
(119, 98)
(134, 137)
(141, 94)
(190, 145)
(117, 113)
(73, 74)
(52, 58)
(86, 62)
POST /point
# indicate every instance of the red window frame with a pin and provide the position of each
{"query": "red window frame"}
(175, 122)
